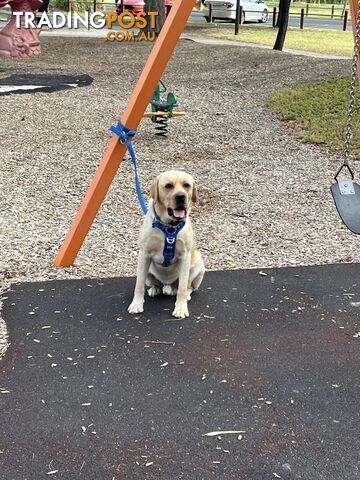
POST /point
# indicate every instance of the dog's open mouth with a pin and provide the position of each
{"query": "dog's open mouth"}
(177, 214)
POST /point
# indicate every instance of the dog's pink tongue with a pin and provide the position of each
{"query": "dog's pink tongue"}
(179, 213)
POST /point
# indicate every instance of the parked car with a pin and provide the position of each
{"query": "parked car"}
(252, 10)
(133, 6)
(137, 6)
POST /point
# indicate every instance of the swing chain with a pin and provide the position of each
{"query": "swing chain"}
(348, 131)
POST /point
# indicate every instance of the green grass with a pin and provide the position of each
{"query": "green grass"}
(318, 112)
(311, 39)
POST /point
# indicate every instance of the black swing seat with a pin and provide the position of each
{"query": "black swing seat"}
(346, 194)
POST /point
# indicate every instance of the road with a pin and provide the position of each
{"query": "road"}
(294, 21)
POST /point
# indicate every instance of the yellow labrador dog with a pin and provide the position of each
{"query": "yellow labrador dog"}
(168, 259)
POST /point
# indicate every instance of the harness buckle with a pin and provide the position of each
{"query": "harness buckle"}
(170, 240)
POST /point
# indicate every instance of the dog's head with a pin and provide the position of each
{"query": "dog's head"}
(173, 192)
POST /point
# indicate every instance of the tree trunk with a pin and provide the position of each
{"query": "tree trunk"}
(283, 24)
(155, 6)
(281, 9)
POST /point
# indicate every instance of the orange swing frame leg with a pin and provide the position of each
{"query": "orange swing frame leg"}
(114, 154)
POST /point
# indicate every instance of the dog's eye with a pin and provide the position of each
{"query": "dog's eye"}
(186, 185)
(169, 186)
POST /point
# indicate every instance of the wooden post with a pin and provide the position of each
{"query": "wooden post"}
(302, 15)
(210, 13)
(307, 8)
(274, 17)
(94, 6)
(345, 20)
(332, 10)
(238, 17)
(131, 117)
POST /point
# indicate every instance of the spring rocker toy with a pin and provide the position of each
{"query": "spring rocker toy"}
(162, 110)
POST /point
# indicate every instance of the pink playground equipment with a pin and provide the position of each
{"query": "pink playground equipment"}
(19, 42)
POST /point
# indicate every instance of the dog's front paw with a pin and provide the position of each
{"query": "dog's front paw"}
(136, 306)
(181, 310)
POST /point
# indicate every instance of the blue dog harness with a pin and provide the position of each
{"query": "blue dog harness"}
(170, 238)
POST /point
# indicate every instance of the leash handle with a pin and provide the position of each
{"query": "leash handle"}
(125, 135)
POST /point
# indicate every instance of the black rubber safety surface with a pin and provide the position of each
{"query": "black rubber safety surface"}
(32, 83)
(90, 392)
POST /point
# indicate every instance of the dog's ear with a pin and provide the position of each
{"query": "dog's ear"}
(154, 189)
(194, 196)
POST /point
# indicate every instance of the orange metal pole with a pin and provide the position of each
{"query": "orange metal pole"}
(354, 12)
(113, 156)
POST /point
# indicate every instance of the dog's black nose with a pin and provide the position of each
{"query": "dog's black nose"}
(180, 199)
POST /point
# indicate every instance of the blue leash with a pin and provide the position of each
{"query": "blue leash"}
(125, 135)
